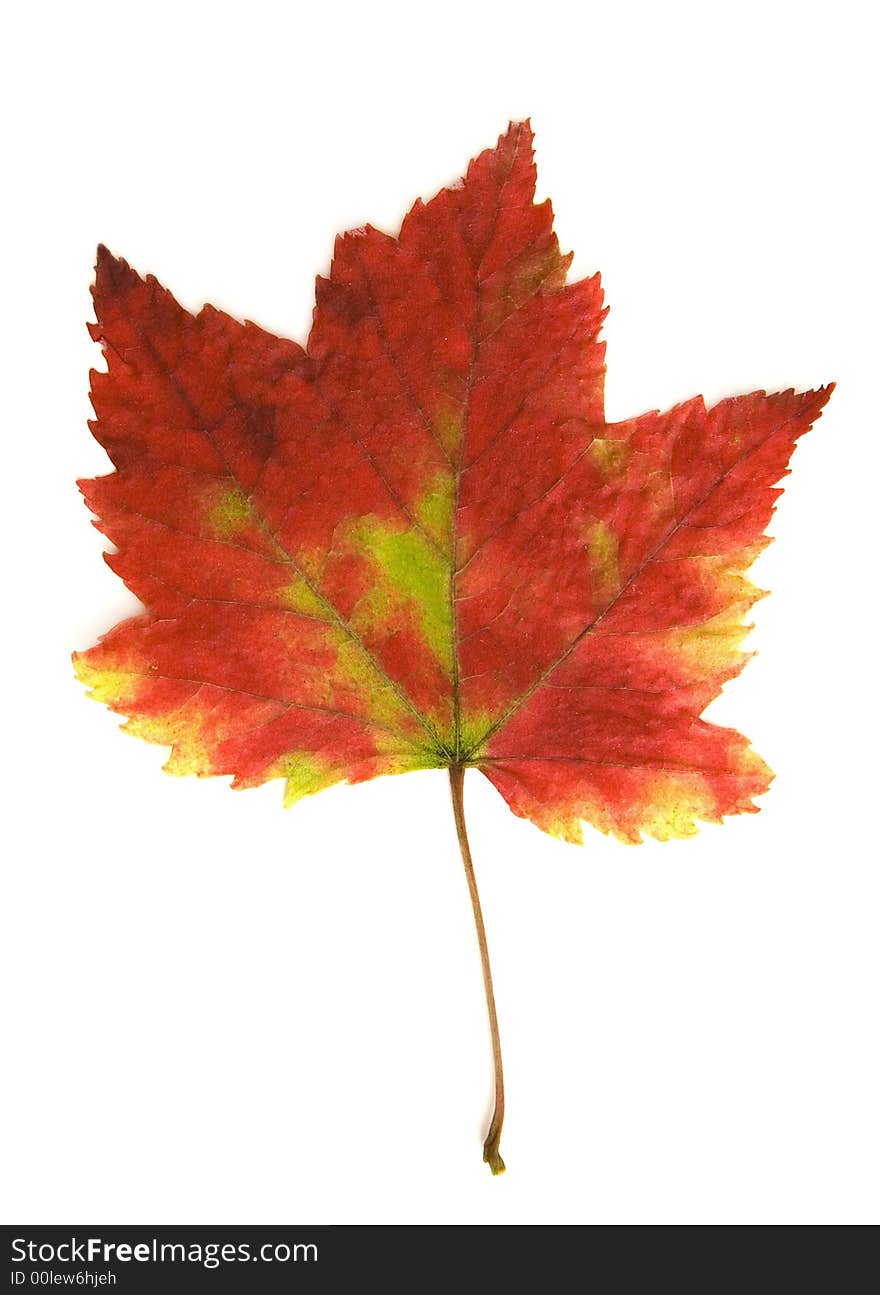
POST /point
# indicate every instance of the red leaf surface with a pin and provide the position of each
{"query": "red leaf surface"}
(417, 543)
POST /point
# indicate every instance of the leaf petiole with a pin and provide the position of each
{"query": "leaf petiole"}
(491, 1152)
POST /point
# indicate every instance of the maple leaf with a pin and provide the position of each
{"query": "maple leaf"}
(417, 543)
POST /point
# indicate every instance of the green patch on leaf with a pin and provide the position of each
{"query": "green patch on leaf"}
(231, 512)
(298, 597)
(304, 775)
(354, 672)
(433, 511)
(608, 455)
(447, 425)
(412, 572)
(602, 546)
(473, 728)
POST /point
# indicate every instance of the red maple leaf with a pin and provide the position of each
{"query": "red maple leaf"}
(416, 543)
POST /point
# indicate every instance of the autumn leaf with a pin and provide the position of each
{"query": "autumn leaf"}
(416, 543)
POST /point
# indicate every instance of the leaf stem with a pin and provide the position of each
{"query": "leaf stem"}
(491, 1153)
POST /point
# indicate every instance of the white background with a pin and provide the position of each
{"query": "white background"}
(217, 1011)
